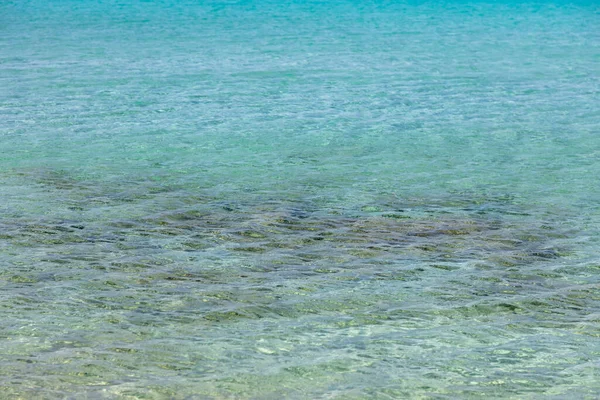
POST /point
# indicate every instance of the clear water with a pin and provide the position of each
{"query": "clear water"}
(332, 199)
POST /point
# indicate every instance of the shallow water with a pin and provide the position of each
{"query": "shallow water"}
(305, 200)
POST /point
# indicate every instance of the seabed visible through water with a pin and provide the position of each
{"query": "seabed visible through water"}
(263, 199)
(201, 296)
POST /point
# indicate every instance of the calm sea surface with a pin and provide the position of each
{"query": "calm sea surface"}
(303, 199)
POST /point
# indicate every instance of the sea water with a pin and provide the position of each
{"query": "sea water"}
(301, 199)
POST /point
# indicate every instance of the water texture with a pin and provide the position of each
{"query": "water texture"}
(265, 200)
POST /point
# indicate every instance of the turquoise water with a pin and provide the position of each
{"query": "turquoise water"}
(261, 199)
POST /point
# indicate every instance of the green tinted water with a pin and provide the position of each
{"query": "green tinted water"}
(309, 200)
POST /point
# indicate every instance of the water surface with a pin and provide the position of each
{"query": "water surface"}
(252, 199)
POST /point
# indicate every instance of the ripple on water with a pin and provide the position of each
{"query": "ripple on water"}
(179, 288)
